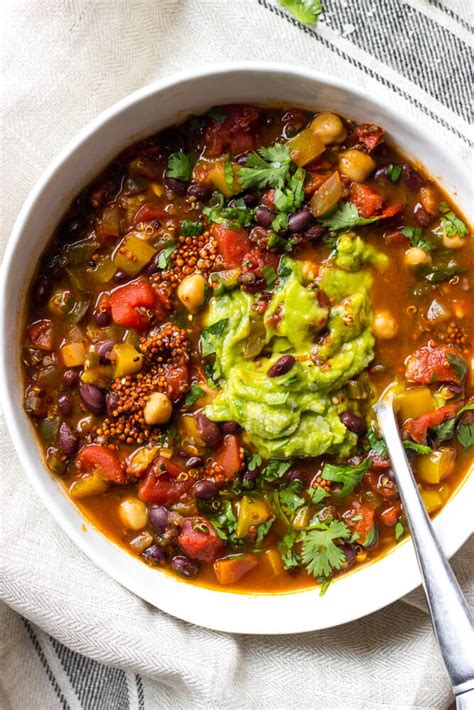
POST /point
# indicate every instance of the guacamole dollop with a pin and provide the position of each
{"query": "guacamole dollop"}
(297, 413)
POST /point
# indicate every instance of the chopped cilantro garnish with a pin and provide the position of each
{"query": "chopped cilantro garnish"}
(465, 435)
(225, 524)
(399, 531)
(286, 545)
(266, 167)
(306, 11)
(444, 431)
(458, 365)
(180, 166)
(191, 229)
(320, 553)
(289, 500)
(263, 529)
(290, 198)
(376, 445)
(234, 217)
(317, 494)
(393, 172)
(450, 225)
(344, 217)
(270, 275)
(276, 242)
(349, 476)
(274, 470)
(196, 123)
(195, 392)
(415, 235)
(417, 448)
(164, 257)
(253, 461)
(280, 223)
(217, 114)
(209, 334)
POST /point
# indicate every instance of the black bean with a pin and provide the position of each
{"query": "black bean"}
(120, 277)
(249, 479)
(250, 199)
(295, 476)
(314, 233)
(57, 272)
(104, 348)
(179, 187)
(300, 221)
(184, 566)
(102, 318)
(42, 290)
(68, 439)
(241, 159)
(264, 216)
(412, 177)
(205, 489)
(152, 267)
(349, 554)
(172, 141)
(381, 173)
(423, 217)
(72, 229)
(208, 429)
(71, 377)
(194, 462)
(200, 192)
(111, 403)
(158, 516)
(154, 554)
(354, 423)
(230, 427)
(282, 366)
(65, 403)
(93, 397)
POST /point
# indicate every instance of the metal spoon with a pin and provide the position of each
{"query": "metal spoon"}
(450, 616)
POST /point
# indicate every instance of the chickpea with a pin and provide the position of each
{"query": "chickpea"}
(356, 165)
(329, 128)
(417, 257)
(192, 292)
(429, 199)
(454, 242)
(133, 513)
(158, 409)
(384, 326)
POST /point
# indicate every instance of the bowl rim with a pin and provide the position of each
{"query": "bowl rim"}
(103, 554)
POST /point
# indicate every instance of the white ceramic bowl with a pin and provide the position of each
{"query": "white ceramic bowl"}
(143, 113)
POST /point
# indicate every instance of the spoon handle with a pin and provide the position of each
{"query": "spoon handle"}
(450, 615)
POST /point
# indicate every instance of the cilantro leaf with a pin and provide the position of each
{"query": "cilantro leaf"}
(234, 217)
(415, 235)
(179, 167)
(196, 123)
(444, 431)
(290, 198)
(207, 336)
(225, 524)
(306, 11)
(290, 500)
(195, 392)
(417, 448)
(344, 217)
(450, 225)
(276, 242)
(191, 229)
(253, 461)
(217, 114)
(443, 271)
(376, 445)
(280, 223)
(393, 172)
(288, 556)
(275, 470)
(349, 476)
(266, 167)
(458, 365)
(399, 531)
(164, 256)
(263, 529)
(320, 553)
(317, 494)
(270, 275)
(465, 435)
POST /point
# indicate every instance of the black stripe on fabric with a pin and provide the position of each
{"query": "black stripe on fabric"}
(447, 11)
(98, 687)
(367, 70)
(44, 662)
(413, 44)
(140, 693)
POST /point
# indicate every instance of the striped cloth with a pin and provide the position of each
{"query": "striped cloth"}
(72, 637)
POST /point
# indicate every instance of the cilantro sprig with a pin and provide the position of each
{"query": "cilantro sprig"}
(345, 216)
(320, 554)
(234, 217)
(180, 167)
(415, 235)
(450, 225)
(349, 476)
(306, 11)
(266, 167)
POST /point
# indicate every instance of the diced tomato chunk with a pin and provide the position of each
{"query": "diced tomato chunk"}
(199, 539)
(126, 301)
(161, 486)
(227, 456)
(382, 484)
(229, 570)
(268, 199)
(148, 213)
(367, 200)
(256, 259)
(435, 363)
(363, 522)
(369, 135)
(390, 515)
(234, 132)
(233, 244)
(101, 460)
(390, 210)
(314, 181)
(41, 334)
(177, 379)
(417, 429)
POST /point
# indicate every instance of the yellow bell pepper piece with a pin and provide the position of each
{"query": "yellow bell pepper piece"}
(252, 512)
(435, 467)
(128, 360)
(274, 560)
(139, 461)
(133, 254)
(432, 500)
(73, 354)
(103, 270)
(414, 403)
(305, 147)
(216, 175)
(90, 486)
(301, 519)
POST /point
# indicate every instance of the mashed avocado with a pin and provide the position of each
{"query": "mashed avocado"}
(295, 414)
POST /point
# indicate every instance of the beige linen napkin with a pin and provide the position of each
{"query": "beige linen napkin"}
(71, 637)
